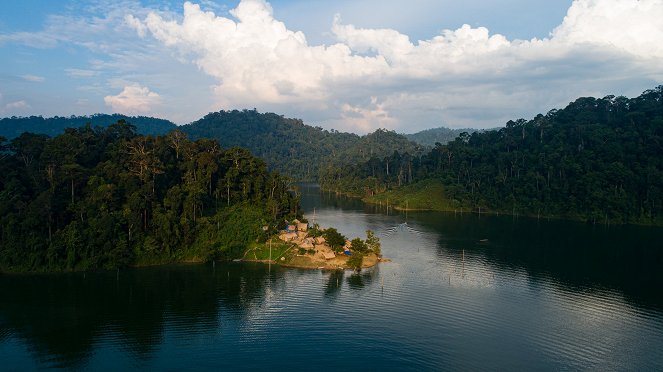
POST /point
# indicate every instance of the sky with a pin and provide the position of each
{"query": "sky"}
(350, 65)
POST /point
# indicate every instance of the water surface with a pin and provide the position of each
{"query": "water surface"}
(463, 292)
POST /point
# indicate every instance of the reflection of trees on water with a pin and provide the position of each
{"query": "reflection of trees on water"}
(362, 279)
(334, 284)
(624, 258)
(59, 317)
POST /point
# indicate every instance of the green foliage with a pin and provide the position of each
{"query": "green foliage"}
(334, 239)
(358, 245)
(373, 243)
(430, 137)
(106, 198)
(301, 251)
(597, 160)
(291, 147)
(426, 194)
(356, 260)
(315, 231)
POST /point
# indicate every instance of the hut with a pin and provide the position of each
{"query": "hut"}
(328, 255)
(286, 237)
(320, 240)
(291, 228)
(306, 245)
(302, 227)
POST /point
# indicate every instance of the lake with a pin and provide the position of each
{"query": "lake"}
(463, 292)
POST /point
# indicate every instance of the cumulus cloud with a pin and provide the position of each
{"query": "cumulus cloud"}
(633, 26)
(256, 60)
(134, 99)
(366, 118)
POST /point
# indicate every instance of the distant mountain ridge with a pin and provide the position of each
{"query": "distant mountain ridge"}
(287, 145)
(14, 126)
(442, 135)
(293, 148)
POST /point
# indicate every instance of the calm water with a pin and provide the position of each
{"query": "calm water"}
(536, 295)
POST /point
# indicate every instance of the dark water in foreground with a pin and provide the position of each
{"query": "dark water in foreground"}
(536, 295)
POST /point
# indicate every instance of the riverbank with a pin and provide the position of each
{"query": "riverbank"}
(429, 195)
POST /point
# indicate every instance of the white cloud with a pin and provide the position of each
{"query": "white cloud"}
(134, 99)
(33, 78)
(80, 73)
(258, 61)
(365, 118)
(17, 106)
(364, 78)
(136, 24)
(633, 26)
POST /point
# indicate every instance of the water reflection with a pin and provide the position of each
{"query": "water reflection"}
(62, 317)
(334, 284)
(580, 256)
(359, 280)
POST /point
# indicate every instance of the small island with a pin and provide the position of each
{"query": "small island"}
(299, 245)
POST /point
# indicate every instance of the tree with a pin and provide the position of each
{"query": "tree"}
(356, 261)
(335, 239)
(359, 246)
(373, 243)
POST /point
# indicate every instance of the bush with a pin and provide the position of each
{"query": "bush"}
(373, 243)
(358, 245)
(302, 251)
(355, 261)
(334, 238)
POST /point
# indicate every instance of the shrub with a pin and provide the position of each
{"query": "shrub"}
(358, 245)
(355, 261)
(334, 238)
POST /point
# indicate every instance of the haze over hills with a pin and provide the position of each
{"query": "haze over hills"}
(13, 127)
(293, 148)
(443, 135)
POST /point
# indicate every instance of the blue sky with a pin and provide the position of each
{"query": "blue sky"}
(350, 65)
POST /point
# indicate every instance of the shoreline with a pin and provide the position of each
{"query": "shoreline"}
(491, 212)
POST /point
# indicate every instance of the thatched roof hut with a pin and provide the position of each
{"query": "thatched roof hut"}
(328, 255)
(302, 227)
(286, 237)
(306, 245)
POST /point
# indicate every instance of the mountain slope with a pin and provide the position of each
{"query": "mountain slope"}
(598, 160)
(440, 135)
(292, 147)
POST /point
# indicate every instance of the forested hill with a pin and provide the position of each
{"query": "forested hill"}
(291, 147)
(442, 135)
(15, 126)
(106, 197)
(599, 160)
